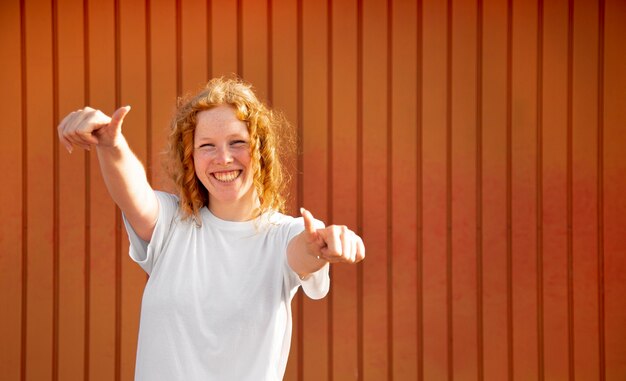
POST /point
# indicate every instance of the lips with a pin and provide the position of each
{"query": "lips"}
(226, 176)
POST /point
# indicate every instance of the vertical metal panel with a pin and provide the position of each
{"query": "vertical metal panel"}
(376, 320)
(509, 189)
(39, 283)
(163, 82)
(118, 213)
(569, 197)
(614, 188)
(87, 193)
(178, 14)
(12, 247)
(284, 98)
(24, 169)
(600, 192)
(134, 59)
(55, 193)
(539, 192)
(148, 90)
(448, 190)
(480, 359)
(389, 183)
(584, 165)
(463, 190)
(343, 169)
(494, 191)
(254, 48)
(359, 184)
(102, 297)
(224, 35)
(554, 214)
(193, 41)
(434, 191)
(270, 52)
(419, 179)
(315, 174)
(524, 72)
(403, 188)
(72, 197)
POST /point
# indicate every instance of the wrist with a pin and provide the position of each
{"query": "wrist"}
(117, 144)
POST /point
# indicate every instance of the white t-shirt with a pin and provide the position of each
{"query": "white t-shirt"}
(217, 305)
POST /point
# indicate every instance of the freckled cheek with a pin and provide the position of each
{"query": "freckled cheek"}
(199, 167)
(245, 159)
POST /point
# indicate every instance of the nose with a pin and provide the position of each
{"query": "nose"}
(223, 155)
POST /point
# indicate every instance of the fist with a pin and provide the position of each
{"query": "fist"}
(335, 243)
(87, 127)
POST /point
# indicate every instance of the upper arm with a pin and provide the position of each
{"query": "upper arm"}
(125, 178)
(144, 216)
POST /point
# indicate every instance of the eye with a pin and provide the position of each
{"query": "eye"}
(238, 143)
(206, 146)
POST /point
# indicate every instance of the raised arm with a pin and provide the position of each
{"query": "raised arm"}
(122, 171)
(312, 249)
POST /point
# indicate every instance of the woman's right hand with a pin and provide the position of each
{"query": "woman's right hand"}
(88, 126)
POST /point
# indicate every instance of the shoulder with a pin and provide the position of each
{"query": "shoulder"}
(169, 203)
(277, 219)
(167, 197)
(169, 208)
(284, 225)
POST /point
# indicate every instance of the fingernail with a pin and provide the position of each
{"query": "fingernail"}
(301, 210)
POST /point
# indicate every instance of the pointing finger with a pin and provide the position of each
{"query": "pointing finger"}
(308, 221)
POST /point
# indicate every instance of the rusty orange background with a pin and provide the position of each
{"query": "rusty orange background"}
(479, 147)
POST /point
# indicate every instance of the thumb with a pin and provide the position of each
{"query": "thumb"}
(308, 222)
(118, 116)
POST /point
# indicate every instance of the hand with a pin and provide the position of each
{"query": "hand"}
(335, 243)
(89, 127)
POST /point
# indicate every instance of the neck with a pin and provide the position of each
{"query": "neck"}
(238, 210)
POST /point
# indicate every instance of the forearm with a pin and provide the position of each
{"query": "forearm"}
(126, 181)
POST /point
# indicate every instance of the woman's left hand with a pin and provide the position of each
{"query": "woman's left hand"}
(335, 243)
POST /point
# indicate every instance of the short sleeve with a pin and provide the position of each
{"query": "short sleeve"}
(316, 285)
(146, 253)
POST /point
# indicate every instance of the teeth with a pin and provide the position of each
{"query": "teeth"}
(226, 176)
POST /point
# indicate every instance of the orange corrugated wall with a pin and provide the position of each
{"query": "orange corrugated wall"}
(477, 145)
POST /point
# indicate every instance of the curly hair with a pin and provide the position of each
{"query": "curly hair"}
(264, 126)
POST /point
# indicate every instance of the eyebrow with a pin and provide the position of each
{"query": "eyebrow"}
(204, 139)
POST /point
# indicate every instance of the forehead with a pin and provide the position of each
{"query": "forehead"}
(219, 121)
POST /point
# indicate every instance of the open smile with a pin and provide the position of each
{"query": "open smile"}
(226, 176)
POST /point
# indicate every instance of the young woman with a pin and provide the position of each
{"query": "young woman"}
(224, 262)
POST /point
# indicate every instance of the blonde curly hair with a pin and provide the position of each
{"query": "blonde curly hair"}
(264, 126)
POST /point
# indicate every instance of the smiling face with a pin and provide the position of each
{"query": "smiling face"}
(222, 163)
